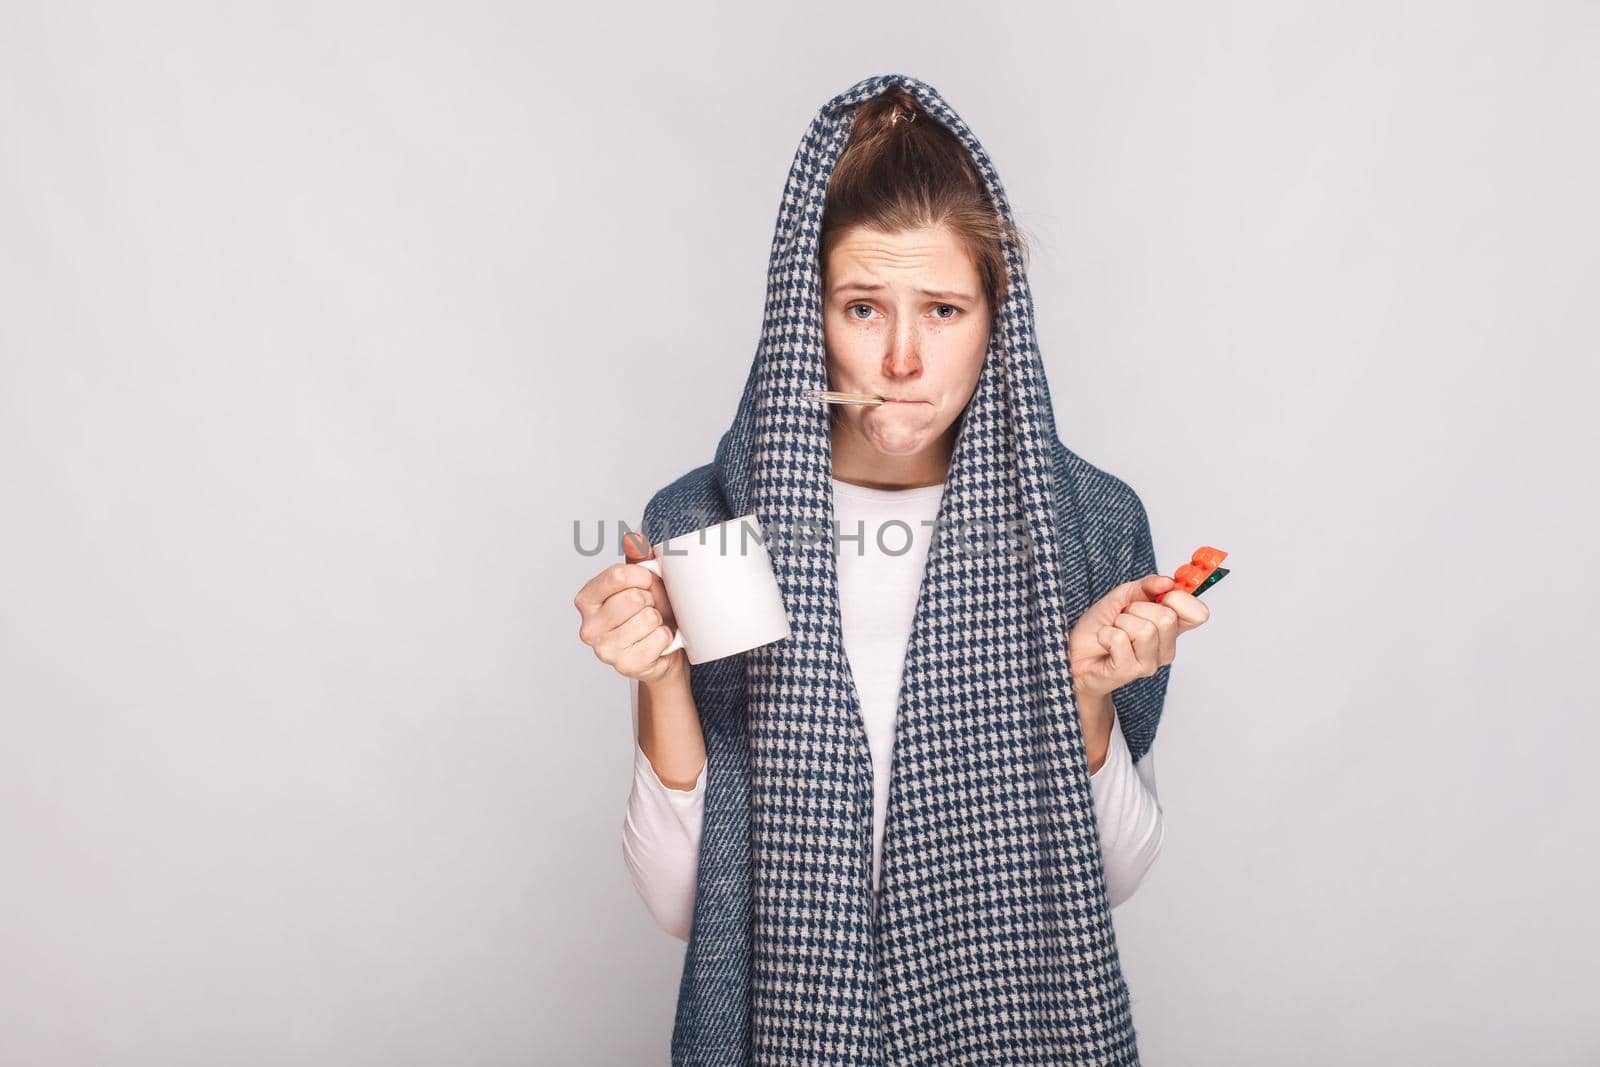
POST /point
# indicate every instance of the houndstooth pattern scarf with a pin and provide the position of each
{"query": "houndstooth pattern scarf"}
(993, 941)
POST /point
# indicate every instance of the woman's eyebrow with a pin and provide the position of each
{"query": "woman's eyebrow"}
(936, 294)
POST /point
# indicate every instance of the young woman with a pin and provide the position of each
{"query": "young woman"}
(896, 836)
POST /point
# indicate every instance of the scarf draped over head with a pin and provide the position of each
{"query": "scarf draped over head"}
(992, 940)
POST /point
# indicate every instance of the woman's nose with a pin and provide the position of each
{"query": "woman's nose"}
(902, 359)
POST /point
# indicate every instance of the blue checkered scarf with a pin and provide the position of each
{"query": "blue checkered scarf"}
(993, 941)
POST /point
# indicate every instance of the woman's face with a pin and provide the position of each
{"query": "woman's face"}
(904, 317)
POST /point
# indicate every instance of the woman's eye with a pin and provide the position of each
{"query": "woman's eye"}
(867, 308)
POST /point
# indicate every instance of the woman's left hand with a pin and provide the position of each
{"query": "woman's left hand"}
(1127, 634)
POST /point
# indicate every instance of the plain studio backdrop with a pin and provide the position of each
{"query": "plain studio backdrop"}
(324, 324)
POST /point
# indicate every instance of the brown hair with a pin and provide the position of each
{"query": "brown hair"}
(902, 170)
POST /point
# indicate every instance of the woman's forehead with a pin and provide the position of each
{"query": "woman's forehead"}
(932, 259)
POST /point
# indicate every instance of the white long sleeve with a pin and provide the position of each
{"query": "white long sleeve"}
(880, 574)
(661, 841)
(1128, 812)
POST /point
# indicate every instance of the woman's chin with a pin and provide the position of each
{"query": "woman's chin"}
(900, 444)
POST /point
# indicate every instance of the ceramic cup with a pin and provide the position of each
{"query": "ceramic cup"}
(722, 589)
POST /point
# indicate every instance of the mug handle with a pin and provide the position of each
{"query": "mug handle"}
(654, 567)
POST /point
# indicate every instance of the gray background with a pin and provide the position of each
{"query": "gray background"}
(323, 323)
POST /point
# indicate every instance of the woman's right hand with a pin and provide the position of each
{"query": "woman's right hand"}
(627, 618)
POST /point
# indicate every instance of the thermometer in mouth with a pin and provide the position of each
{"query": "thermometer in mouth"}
(828, 396)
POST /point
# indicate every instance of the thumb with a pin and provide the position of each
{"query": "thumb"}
(1150, 587)
(1153, 587)
(636, 546)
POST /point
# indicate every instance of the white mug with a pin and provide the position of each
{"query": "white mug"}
(722, 589)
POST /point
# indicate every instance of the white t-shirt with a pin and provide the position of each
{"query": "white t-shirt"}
(884, 537)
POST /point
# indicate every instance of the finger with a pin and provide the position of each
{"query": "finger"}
(1191, 610)
(1146, 640)
(621, 606)
(1150, 587)
(1166, 622)
(1102, 611)
(1124, 664)
(643, 653)
(616, 576)
(636, 546)
(613, 648)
